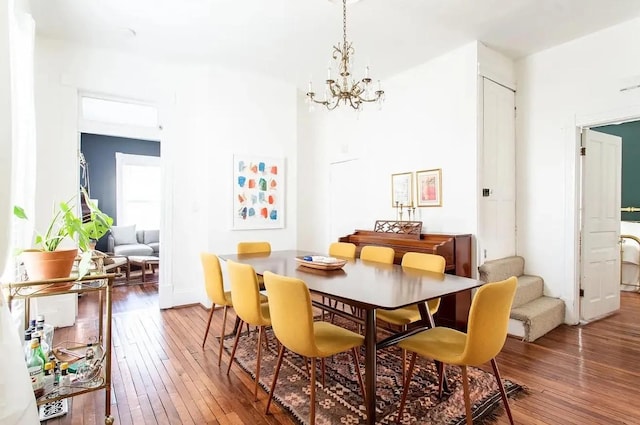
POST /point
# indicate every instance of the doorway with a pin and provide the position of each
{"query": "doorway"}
(106, 126)
(630, 201)
(100, 153)
(601, 164)
(629, 193)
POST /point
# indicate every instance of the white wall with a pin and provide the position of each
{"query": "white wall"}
(208, 114)
(577, 82)
(429, 120)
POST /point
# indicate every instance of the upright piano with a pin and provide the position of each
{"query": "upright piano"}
(405, 236)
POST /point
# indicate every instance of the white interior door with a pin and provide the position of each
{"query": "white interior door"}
(497, 214)
(600, 252)
(342, 202)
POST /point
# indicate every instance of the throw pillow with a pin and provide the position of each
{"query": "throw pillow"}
(124, 235)
(151, 236)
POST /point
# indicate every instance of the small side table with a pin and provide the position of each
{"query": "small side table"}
(117, 262)
(143, 261)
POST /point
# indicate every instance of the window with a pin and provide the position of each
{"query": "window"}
(115, 112)
(138, 190)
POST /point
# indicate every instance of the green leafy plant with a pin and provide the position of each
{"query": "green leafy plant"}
(66, 224)
(97, 223)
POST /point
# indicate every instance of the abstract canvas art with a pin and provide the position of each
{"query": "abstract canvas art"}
(258, 192)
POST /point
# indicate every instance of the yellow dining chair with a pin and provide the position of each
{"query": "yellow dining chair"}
(404, 316)
(249, 308)
(342, 249)
(293, 325)
(215, 291)
(253, 247)
(379, 254)
(484, 339)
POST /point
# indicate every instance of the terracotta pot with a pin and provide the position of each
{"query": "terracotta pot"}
(42, 265)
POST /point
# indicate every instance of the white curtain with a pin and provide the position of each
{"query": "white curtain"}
(17, 402)
(23, 185)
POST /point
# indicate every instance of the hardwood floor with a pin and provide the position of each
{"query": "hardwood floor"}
(575, 374)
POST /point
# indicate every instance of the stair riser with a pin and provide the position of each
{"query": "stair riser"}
(543, 320)
(529, 288)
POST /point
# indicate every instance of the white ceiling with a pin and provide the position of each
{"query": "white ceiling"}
(293, 39)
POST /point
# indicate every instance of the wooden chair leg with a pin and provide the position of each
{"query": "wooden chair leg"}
(467, 400)
(224, 323)
(306, 366)
(266, 339)
(405, 391)
(322, 369)
(275, 378)
(404, 365)
(323, 302)
(404, 359)
(503, 393)
(356, 363)
(442, 376)
(206, 332)
(235, 345)
(312, 407)
(255, 388)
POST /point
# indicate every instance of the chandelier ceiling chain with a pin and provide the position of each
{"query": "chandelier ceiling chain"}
(348, 90)
(344, 22)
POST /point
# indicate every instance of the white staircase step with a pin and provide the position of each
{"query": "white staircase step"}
(539, 316)
(529, 288)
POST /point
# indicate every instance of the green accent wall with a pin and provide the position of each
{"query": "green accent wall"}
(630, 133)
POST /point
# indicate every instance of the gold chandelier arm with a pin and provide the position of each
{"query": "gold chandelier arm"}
(333, 106)
(375, 99)
(329, 105)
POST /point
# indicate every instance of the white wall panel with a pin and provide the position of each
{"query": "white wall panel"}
(208, 114)
(428, 121)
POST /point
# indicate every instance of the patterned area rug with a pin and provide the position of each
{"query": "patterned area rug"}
(340, 401)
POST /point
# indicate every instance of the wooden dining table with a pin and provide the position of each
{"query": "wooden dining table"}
(368, 286)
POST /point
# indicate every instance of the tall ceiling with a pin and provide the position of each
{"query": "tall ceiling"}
(293, 39)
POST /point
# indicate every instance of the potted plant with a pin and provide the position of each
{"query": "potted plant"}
(46, 261)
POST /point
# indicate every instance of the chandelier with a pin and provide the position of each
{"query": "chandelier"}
(345, 87)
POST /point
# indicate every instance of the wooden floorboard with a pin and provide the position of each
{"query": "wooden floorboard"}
(579, 375)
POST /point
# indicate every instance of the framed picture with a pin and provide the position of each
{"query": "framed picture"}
(429, 187)
(258, 192)
(401, 189)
